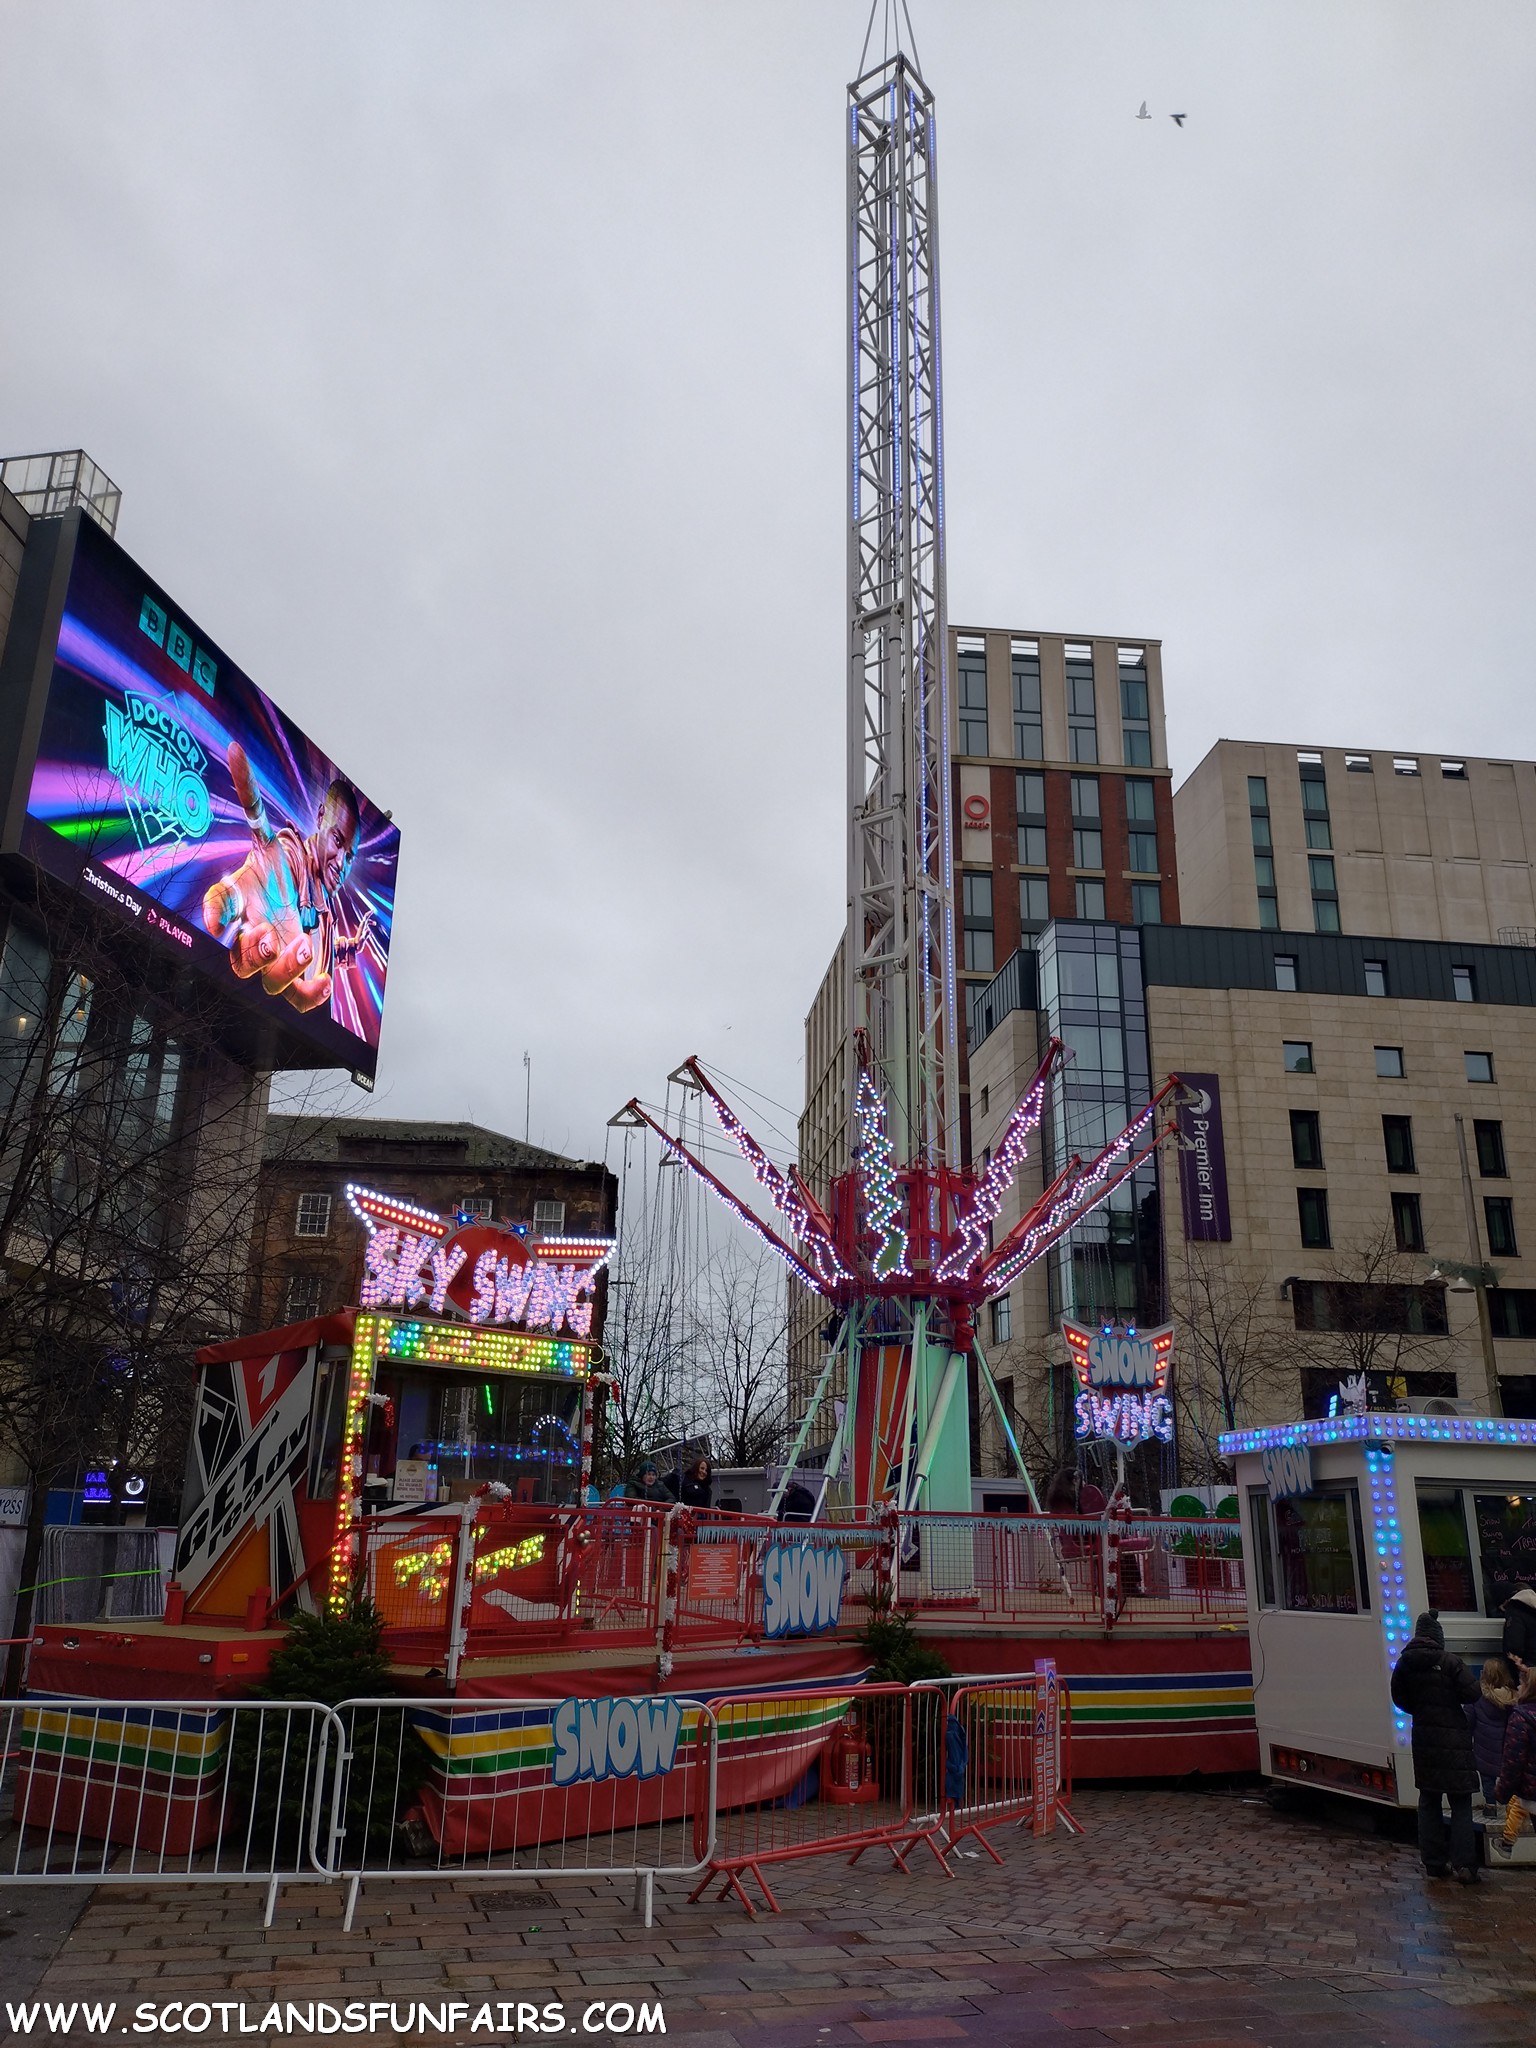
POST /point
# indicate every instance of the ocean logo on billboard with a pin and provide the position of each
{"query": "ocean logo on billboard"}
(160, 768)
(607, 1738)
(802, 1588)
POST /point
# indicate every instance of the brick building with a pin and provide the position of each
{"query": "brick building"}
(307, 1245)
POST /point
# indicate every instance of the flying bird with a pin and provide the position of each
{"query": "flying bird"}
(1143, 115)
(1180, 118)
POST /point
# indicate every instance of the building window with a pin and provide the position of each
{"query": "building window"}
(1087, 849)
(1479, 1066)
(1319, 835)
(1490, 1149)
(1140, 802)
(478, 1206)
(1454, 771)
(1034, 901)
(1285, 973)
(1146, 902)
(973, 703)
(1325, 892)
(1499, 1211)
(1397, 1136)
(1306, 1138)
(314, 1216)
(1513, 1311)
(1082, 728)
(1407, 1223)
(1405, 764)
(548, 1219)
(303, 1297)
(1090, 901)
(1135, 713)
(1002, 1320)
(1142, 847)
(1312, 1213)
(1029, 802)
(1357, 764)
(1463, 985)
(977, 904)
(1375, 977)
(1028, 738)
(1263, 858)
(1314, 787)
(1389, 1063)
(1298, 1056)
(1085, 800)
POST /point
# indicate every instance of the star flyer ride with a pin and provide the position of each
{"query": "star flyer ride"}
(429, 1447)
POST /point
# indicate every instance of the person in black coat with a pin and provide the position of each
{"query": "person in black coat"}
(1434, 1688)
(646, 1484)
(696, 1487)
(1520, 1629)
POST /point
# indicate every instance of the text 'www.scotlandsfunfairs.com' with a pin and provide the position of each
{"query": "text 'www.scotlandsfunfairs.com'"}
(409, 2019)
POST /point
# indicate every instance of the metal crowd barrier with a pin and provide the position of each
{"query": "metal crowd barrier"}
(205, 1791)
(1007, 1756)
(509, 1789)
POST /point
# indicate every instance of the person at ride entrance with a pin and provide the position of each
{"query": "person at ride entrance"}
(1517, 1770)
(646, 1484)
(1520, 1627)
(1433, 1687)
(695, 1488)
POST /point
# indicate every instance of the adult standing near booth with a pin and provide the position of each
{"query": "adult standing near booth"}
(1520, 1629)
(1433, 1687)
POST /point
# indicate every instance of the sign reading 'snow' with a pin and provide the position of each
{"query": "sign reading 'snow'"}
(802, 1588)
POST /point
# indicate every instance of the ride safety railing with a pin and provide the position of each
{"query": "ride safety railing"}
(486, 1578)
(117, 1791)
(528, 1790)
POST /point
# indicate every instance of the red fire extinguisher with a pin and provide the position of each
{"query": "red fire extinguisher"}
(850, 1779)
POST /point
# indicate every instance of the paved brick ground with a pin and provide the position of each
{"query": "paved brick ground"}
(1183, 1918)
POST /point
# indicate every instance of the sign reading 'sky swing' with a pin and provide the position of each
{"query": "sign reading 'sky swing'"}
(1122, 1377)
(802, 1588)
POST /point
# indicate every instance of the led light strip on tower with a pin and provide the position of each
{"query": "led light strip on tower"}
(1013, 1147)
(882, 1190)
(786, 1197)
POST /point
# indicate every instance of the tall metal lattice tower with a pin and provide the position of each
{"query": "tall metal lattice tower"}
(907, 1252)
(900, 991)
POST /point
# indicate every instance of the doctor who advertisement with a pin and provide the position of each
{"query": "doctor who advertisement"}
(175, 791)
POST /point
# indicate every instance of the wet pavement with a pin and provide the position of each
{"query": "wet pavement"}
(1181, 1917)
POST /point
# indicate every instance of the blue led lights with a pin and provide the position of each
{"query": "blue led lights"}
(1385, 1427)
(1387, 1544)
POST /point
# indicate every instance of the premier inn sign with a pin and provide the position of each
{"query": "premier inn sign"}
(1203, 1162)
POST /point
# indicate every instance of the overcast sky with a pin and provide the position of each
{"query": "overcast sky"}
(473, 373)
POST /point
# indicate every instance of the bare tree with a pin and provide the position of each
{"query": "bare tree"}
(1234, 1362)
(1373, 1316)
(129, 1143)
(741, 1354)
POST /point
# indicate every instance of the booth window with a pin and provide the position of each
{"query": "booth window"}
(314, 1216)
(1318, 1550)
(1506, 1535)
(1263, 1550)
(1448, 1576)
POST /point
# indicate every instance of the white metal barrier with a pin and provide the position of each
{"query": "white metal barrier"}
(200, 1791)
(528, 1788)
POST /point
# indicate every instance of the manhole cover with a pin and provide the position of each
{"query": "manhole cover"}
(514, 1901)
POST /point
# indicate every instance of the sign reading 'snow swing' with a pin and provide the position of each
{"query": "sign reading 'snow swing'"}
(1122, 1377)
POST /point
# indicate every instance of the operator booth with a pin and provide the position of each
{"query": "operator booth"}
(304, 1437)
(1355, 1525)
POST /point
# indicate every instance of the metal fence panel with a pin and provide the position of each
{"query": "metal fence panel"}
(507, 1788)
(127, 1791)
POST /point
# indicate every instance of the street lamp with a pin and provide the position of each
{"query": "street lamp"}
(1461, 1278)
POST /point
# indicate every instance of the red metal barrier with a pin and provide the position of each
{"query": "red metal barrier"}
(844, 1765)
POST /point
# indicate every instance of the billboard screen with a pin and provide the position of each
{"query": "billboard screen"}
(170, 786)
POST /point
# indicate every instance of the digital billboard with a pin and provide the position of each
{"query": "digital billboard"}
(173, 789)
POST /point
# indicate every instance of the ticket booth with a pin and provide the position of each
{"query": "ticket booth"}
(470, 1361)
(1355, 1525)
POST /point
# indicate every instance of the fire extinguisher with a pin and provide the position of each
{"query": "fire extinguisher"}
(850, 1765)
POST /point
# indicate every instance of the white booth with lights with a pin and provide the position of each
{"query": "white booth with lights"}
(1354, 1525)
